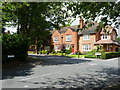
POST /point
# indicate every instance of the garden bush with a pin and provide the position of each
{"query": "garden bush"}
(53, 52)
(109, 55)
(16, 45)
(90, 56)
(77, 53)
(68, 51)
(43, 52)
(119, 49)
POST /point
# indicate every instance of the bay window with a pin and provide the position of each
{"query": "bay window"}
(86, 47)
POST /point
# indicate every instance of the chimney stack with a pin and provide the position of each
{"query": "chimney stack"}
(81, 23)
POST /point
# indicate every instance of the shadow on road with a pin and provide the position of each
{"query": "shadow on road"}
(25, 69)
(101, 81)
(59, 60)
(11, 70)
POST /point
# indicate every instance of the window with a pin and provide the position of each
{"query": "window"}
(68, 38)
(87, 37)
(57, 47)
(86, 47)
(104, 36)
(55, 39)
(67, 46)
(108, 47)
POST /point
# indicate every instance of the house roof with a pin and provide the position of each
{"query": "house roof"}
(107, 42)
(89, 30)
(107, 29)
(64, 29)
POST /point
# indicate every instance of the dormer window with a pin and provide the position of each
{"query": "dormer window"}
(55, 39)
(87, 37)
(104, 36)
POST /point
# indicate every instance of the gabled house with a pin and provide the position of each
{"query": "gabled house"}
(107, 38)
(65, 38)
(85, 40)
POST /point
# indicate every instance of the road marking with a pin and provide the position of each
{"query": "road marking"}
(39, 76)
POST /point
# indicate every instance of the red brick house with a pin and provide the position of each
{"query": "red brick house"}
(65, 38)
(85, 40)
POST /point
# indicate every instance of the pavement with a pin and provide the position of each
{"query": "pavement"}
(64, 72)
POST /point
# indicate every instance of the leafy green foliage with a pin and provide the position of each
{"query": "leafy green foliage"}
(34, 19)
(43, 52)
(90, 56)
(68, 51)
(16, 45)
(109, 55)
(91, 10)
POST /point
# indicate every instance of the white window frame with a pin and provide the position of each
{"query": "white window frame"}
(56, 39)
(67, 46)
(86, 47)
(57, 48)
(68, 38)
(108, 47)
(86, 37)
(104, 37)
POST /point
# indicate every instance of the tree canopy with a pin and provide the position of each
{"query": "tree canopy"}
(91, 10)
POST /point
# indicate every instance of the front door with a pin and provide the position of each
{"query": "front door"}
(72, 49)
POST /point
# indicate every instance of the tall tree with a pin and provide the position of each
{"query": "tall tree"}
(33, 19)
(91, 10)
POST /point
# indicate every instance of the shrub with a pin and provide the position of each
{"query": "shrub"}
(43, 52)
(68, 51)
(16, 45)
(77, 53)
(119, 49)
(53, 52)
(109, 55)
(90, 56)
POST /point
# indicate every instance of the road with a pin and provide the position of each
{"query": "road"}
(64, 72)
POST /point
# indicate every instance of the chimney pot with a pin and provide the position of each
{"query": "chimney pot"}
(81, 23)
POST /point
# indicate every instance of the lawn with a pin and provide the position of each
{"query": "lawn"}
(78, 56)
(69, 55)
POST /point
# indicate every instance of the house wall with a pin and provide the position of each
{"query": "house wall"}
(62, 38)
(56, 33)
(91, 42)
(78, 44)
(74, 39)
(111, 35)
(97, 36)
(112, 48)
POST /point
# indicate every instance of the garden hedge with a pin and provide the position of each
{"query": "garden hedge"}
(16, 45)
(109, 55)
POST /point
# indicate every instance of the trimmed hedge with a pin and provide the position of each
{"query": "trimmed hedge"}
(90, 56)
(109, 55)
(16, 45)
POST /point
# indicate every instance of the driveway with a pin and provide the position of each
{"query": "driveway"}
(64, 72)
